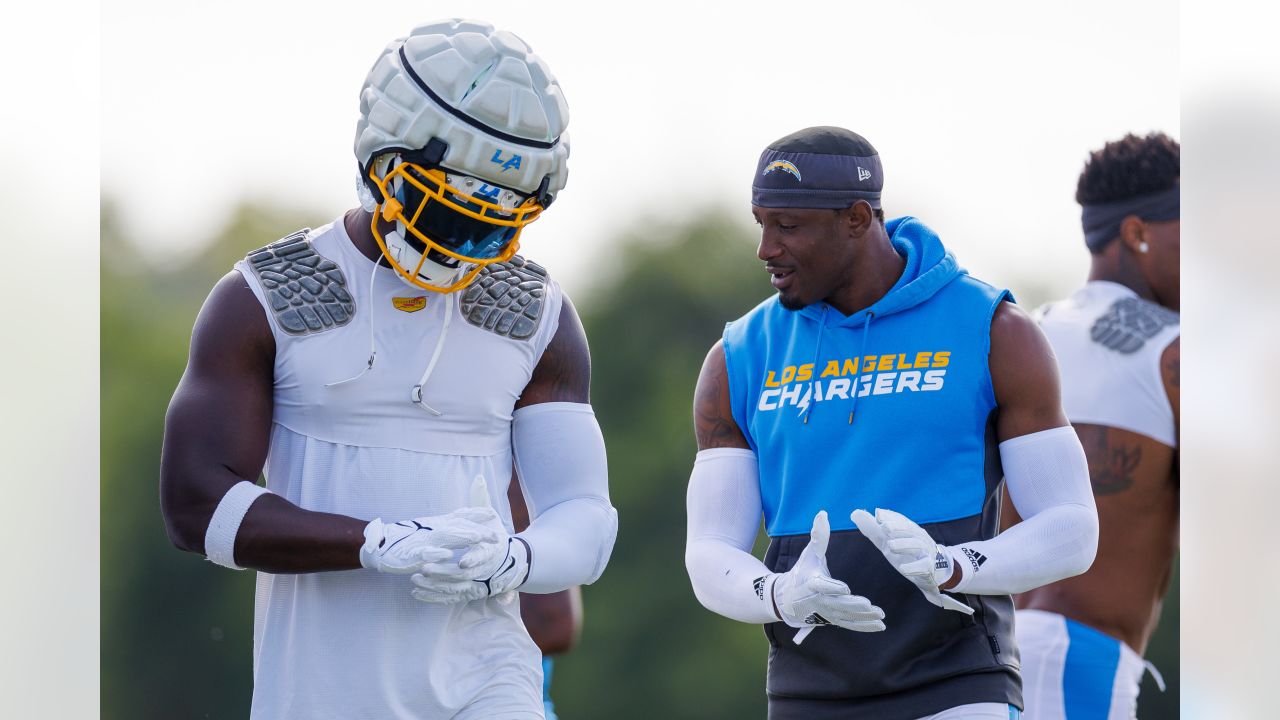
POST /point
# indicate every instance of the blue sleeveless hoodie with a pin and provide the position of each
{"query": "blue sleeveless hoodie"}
(890, 407)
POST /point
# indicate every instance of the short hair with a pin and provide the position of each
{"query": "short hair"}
(1129, 167)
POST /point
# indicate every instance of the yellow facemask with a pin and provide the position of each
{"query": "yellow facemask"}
(472, 227)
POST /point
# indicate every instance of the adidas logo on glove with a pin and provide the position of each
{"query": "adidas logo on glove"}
(975, 558)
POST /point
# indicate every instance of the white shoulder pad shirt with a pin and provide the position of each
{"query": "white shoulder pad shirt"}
(362, 441)
(1108, 342)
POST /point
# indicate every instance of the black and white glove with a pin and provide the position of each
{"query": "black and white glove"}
(493, 565)
(912, 552)
(806, 596)
(402, 548)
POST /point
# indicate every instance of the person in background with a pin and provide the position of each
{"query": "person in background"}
(1117, 343)
(554, 620)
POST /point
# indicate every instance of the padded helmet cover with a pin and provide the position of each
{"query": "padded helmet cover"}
(482, 91)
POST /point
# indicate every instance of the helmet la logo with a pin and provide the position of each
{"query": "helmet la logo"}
(510, 163)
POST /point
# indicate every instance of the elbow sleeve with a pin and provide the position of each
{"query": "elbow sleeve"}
(1048, 479)
(560, 459)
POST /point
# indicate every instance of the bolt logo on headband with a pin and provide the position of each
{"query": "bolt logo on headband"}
(784, 166)
(840, 168)
(461, 143)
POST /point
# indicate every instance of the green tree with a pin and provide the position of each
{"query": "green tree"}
(176, 631)
(648, 648)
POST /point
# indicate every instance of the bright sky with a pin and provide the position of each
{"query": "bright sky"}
(983, 114)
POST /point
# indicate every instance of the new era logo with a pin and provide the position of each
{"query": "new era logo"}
(758, 584)
(863, 173)
(975, 558)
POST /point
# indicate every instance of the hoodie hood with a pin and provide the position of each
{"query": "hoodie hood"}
(929, 268)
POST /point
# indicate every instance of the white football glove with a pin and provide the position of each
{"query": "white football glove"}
(911, 552)
(402, 548)
(807, 596)
(494, 565)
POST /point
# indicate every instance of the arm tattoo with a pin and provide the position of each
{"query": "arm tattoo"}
(713, 423)
(1112, 462)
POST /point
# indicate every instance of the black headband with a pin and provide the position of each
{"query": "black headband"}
(1102, 221)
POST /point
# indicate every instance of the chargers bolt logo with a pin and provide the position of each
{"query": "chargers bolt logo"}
(784, 166)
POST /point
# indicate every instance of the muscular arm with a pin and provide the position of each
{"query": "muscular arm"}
(713, 422)
(1011, 382)
(1045, 472)
(1024, 374)
(563, 373)
(554, 619)
(560, 458)
(723, 504)
(216, 434)
(1170, 372)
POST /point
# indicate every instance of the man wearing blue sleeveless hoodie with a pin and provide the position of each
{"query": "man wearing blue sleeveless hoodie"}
(870, 411)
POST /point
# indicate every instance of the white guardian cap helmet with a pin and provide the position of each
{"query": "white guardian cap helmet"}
(461, 142)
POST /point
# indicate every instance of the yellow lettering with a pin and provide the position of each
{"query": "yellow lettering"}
(941, 359)
(805, 372)
(788, 374)
(922, 359)
(833, 368)
(886, 362)
(770, 382)
(869, 363)
(902, 363)
(850, 367)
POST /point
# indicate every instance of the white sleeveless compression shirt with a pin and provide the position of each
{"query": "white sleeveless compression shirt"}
(1108, 342)
(361, 441)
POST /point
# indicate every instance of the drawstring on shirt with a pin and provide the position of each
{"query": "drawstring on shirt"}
(373, 346)
(857, 379)
(817, 351)
(1155, 674)
(416, 393)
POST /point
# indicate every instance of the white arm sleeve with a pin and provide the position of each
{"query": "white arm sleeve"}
(1048, 478)
(564, 475)
(724, 518)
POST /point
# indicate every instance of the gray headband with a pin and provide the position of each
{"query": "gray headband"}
(816, 180)
(1102, 221)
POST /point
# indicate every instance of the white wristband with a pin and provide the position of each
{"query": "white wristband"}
(220, 537)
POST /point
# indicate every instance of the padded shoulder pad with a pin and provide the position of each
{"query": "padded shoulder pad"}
(307, 292)
(1129, 323)
(507, 298)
